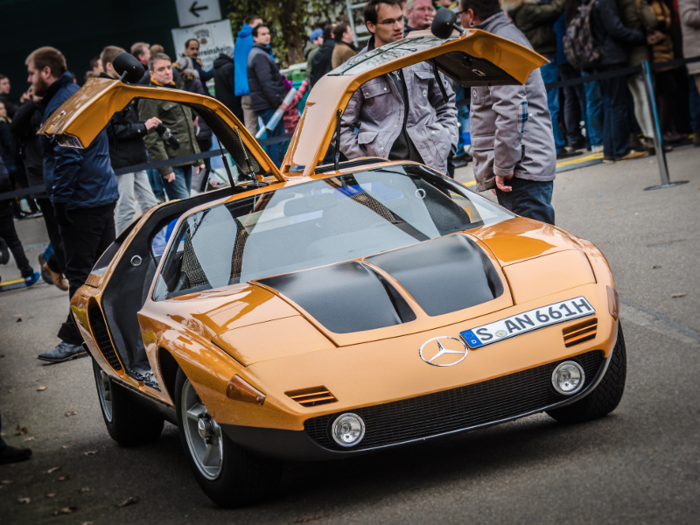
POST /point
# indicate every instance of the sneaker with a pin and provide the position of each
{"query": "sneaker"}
(32, 279)
(608, 160)
(597, 149)
(63, 352)
(462, 160)
(634, 155)
(45, 273)
(14, 454)
(4, 252)
(567, 153)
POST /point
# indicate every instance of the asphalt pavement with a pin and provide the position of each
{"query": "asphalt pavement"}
(639, 465)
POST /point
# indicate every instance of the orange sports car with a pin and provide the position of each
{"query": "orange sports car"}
(324, 311)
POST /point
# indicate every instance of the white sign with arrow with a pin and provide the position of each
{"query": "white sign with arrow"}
(191, 12)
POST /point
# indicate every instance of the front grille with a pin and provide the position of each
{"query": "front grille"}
(101, 335)
(580, 333)
(465, 407)
(311, 397)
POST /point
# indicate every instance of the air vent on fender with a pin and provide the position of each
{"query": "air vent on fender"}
(311, 397)
(580, 333)
(98, 326)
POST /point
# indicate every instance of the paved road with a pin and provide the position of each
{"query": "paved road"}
(639, 465)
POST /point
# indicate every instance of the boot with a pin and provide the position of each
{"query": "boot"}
(636, 144)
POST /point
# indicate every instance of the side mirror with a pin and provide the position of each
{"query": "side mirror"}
(444, 23)
(128, 67)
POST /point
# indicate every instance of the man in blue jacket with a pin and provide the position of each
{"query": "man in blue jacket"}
(82, 188)
(244, 43)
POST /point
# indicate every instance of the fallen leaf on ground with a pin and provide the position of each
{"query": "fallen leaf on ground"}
(41, 389)
(19, 320)
(90, 452)
(30, 439)
(64, 477)
(313, 518)
(52, 495)
(53, 469)
(24, 500)
(6, 481)
(65, 510)
(21, 431)
(677, 295)
(129, 501)
(83, 490)
(87, 523)
(656, 267)
(65, 446)
(2, 355)
(71, 413)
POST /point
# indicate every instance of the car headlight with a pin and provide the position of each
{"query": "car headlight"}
(348, 430)
(568, 378)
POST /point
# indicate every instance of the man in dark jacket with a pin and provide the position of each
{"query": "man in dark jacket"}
(82, 188)
(321, 63)
(126, 148)
(267, 89)
(613, 38)
(224, 85)
(24, 126)
(178, 119)
(5, 96)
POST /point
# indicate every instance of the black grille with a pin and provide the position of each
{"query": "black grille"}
(99, 331)
(464, 407)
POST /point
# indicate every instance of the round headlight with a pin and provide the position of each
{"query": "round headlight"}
(568, 378)
(348, 430)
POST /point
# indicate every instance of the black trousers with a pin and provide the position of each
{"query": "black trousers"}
(8, 232)
(84, 241)
(57, 262)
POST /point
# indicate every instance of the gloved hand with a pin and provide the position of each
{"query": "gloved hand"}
(61, 211)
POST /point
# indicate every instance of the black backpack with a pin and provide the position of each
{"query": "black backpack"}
(581, 49)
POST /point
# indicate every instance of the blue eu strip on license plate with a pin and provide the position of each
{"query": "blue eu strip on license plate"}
(527, 322)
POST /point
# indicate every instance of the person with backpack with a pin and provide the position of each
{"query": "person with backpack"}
(612, 39)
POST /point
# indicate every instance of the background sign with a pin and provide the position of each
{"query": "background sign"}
(191, 12)
(213, 39)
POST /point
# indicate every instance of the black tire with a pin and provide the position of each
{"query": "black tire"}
(128, 422)
(607, 395)
(244, 478)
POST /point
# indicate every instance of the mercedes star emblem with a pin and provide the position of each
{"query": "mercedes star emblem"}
(433, 352)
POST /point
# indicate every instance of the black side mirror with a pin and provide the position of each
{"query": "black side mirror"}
(128, 67)
(444, 23)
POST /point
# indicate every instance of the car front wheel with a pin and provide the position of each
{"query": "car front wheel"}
(230, 475)
(128, 422)
(607, 395)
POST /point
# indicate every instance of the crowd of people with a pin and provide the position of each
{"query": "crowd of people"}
(521, 131)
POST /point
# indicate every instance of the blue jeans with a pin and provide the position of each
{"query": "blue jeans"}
(181, 186)
(156, 181)
(616, 105)
(549, 75)
(694, 103)
(529, 198)
(594, 111)
(275, 151)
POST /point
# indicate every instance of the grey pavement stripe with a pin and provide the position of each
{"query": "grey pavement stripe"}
(686, 331)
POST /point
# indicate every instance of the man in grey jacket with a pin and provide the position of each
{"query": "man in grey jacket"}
(511, 128)
(401, 115)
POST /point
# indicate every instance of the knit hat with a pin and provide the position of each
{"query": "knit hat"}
(317, 33)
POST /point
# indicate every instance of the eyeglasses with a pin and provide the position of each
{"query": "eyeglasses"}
(392, 21)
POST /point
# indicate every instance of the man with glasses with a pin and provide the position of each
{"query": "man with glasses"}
(401, 115)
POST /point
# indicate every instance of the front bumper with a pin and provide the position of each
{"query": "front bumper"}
(425, 417)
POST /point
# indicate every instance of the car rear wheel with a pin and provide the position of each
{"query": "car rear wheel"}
(230, 475)
(607, 395)
(128, 421)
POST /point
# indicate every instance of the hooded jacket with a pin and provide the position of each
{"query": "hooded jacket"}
(613, 37)
(689, 13)
(378, 110)
(177, 118)
(267, 89)
(511, 128)
(82, 178)
(244, 43)
(535, 18)
(126, 132)
(224, 85)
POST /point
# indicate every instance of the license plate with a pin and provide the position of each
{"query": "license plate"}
(527, 322)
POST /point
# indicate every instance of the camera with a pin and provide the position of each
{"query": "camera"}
(167, 135)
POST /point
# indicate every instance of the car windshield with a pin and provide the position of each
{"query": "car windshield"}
(384, 54)
(315, 224)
